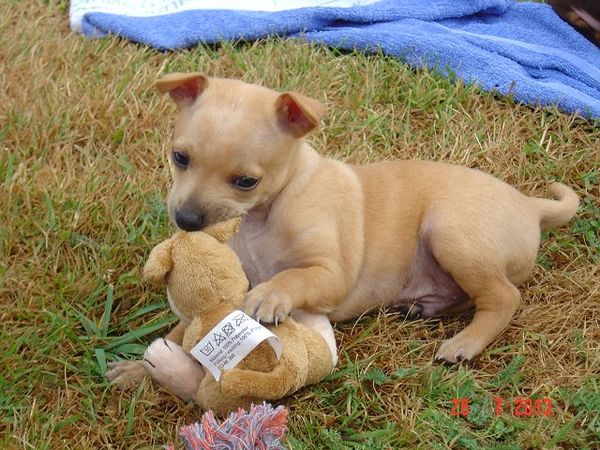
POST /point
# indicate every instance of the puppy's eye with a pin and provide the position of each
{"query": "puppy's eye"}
(245, 183)
(180, 159)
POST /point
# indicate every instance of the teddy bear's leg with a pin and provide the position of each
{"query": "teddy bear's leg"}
(126, 373)
(321, 324)
(172, 368)
(211, 397)
(288, 375)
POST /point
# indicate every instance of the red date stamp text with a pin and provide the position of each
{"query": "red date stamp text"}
(518, 407)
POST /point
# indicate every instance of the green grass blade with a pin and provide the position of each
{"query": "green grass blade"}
(10, 166)
(89, 325)
(130, 349)
(131, 409)
(145, 310)
(105, 321)
(101, 358)
(134, 335)
(510, 373)
(66, 422)
(561, 434)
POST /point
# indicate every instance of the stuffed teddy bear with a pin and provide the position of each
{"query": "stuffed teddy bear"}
(205, 282)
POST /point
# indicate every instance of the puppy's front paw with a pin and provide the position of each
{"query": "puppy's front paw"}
(126, 373)
(460, 347)
(267, 304)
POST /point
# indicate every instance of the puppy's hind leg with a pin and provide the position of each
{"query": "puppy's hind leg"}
(480, 271)
(494, 308)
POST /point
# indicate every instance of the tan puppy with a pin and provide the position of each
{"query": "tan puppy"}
(325, 236)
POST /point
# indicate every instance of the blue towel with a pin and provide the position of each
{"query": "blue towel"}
(519, 49)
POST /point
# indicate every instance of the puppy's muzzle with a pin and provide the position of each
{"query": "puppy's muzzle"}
(188, 219)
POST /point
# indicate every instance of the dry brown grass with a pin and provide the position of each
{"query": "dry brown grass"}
(82, 178)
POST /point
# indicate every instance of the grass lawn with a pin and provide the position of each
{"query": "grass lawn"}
(83, 177)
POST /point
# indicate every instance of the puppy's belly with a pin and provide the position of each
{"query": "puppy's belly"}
(423, 289)
(428, 287)
(430, 297)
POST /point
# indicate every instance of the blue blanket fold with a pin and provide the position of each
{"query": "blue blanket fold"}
(521, 49)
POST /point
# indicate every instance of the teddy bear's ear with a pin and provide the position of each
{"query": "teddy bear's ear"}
(223, 230)
(159, 263)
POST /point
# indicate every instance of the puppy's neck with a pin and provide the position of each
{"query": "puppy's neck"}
(302, 168)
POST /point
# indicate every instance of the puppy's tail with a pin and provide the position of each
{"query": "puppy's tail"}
(554, 213)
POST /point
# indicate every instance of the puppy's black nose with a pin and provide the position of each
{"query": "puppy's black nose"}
(188, 220)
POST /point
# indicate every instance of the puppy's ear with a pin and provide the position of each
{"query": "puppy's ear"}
(297, 113)
(159, 263)
(183, 88)
(223, 230)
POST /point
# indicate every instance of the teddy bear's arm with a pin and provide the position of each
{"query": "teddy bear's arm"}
(222, 231)
(176, 333)
(193, 333)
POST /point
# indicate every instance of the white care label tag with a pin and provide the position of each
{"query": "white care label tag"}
(230, 341)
